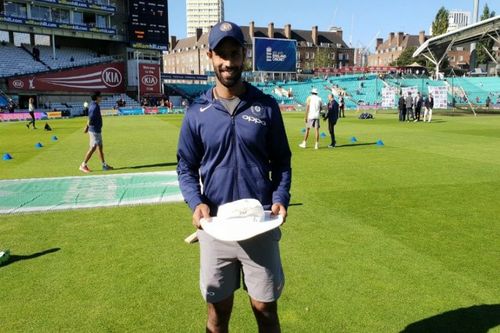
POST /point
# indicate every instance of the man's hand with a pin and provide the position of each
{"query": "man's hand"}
(279, 209)
(201, 211)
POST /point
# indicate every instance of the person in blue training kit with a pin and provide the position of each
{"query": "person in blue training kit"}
(233, 139)
(94, 128)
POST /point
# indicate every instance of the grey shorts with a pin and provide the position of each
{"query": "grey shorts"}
(256, 260)
(314, 123)
(95, 139)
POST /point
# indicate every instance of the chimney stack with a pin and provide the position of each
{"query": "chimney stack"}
(391, 36)
(270, 30)
(251, 29)
(315, 35)
(421, 37)
(399, 38)
(380, 41)
(288, 31)
(173, 42)
(340, 33)
(199, 32)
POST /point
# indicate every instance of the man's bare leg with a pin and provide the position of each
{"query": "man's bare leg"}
(218, 315)
(267, 316)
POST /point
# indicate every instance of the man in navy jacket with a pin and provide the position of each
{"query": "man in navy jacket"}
(332, 114)
(233, 146)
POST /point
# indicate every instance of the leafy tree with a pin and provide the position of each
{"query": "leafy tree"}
(440, 24)
(481, 55)
(405, 58)
(321, 59)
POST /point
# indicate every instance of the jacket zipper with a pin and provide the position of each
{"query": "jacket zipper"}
(236, 194)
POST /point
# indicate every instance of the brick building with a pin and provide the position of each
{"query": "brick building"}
(389, 50)
(188, 55)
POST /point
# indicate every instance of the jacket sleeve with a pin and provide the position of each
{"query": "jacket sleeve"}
(189, 155)
(280, 158)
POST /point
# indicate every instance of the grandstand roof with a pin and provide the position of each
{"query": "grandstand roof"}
(439, 45)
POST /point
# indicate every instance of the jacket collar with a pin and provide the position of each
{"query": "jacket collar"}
(248, 97)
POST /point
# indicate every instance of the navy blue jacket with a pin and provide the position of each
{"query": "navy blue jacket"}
(239, 156)
(95, 118)
(429, 102)
(332, 113)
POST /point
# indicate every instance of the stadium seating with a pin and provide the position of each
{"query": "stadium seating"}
(75, 108)
(110, 102)
(190, 90)
(16, 61)
(477, 88)
(64, 56)
(361, 89)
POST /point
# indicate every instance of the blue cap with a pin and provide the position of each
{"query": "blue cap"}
(222, 30)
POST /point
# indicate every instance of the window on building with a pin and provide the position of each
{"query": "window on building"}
(21, 38)
(4, 36)
(77, 17)
(15, 9)
(42, 40)
(40, 13)
(100, 21)
(60, 15)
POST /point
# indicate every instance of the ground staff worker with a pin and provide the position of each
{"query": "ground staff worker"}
(234, 140)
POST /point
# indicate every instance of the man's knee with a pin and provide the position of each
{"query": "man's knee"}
(266, 312)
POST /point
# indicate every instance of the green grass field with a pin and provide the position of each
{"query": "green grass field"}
(378, 239)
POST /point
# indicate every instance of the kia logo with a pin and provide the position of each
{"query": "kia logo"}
(18, 84)
(111, 77)
(149, 80)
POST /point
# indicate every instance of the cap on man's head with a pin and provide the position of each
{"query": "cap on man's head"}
(314, 91)
(223, 30)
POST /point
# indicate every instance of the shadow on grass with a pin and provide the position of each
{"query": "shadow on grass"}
(475, 319)
(147, 166)
(14, 257)
(356, 144)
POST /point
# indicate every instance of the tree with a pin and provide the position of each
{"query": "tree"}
(440, 24)
(406, 58)
(482, 56)
(322, 58)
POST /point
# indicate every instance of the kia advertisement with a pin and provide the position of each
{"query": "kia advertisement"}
(150, 79)
(107, 78)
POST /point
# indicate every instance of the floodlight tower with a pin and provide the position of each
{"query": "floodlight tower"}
(475, 19)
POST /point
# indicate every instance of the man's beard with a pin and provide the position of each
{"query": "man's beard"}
(232, 81)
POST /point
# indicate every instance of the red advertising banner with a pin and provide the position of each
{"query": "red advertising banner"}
(106, 78)
(150, 79)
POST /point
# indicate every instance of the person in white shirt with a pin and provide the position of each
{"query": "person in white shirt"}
(313, 109)
(31, 109)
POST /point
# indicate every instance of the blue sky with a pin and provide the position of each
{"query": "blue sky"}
(359, 19)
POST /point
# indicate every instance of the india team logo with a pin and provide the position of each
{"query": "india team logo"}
(226, 27)
(256, 110)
